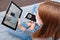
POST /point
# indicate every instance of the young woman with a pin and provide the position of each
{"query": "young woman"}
(25, 30)
(49, 17)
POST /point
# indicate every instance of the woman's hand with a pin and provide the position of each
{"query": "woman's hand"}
(20, 27)
(31, 25)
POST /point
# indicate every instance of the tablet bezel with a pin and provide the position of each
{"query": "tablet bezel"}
(8, 11)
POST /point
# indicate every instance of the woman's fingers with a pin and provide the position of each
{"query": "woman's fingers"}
(32, 26)
(18, 22)
(29, 23)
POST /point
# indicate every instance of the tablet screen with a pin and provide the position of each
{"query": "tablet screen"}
(11, 18)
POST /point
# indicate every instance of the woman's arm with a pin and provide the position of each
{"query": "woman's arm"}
(33, 27)
(20, 26)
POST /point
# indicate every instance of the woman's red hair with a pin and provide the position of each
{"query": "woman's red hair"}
(49, 12)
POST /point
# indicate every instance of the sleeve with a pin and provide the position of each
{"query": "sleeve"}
(30, 32)
(24, 24)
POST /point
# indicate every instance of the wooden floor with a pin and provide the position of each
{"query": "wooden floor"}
(4, 3)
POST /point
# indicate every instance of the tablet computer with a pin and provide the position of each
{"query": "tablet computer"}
(12, 14)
